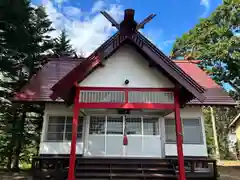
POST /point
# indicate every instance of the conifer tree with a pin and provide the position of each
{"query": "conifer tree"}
(62, 45)
(23, 39)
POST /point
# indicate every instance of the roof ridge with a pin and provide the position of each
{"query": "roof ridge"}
(104, 44)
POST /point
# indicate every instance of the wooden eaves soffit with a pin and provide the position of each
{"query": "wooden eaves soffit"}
(128, 33)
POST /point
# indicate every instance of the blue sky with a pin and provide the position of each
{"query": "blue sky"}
(88, 29)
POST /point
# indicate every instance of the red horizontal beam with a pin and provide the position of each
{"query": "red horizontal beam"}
(148, 106)
(125, 106)
(124, 89)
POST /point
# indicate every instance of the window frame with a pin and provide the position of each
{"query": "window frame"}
(64, 139)
(142, 118)
(157, 131)
(182, 119)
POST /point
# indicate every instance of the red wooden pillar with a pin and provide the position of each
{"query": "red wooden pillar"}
(179, 136)
(72, 160)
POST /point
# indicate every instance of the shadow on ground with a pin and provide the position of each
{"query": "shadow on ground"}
(229, 172)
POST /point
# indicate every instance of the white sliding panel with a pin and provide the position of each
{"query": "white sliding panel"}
(114, 136)
(151, 137)
(134, 134)
(96, 137)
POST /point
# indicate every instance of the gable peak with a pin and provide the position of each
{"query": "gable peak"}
(128, 26)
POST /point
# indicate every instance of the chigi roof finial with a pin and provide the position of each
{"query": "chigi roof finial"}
(128, 26)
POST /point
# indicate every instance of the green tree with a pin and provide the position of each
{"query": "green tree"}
(62, 45)
(23, 39)
(216, 41)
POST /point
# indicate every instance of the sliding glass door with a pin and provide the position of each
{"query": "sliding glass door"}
(105, 137)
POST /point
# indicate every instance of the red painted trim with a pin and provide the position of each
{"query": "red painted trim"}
(100, 105)
(147, 106)
(59, 89)
(72, 161)
(124, 89)
(125, 106)
(179, 136)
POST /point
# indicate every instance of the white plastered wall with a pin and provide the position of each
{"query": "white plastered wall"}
(57, 147)
(124, 64)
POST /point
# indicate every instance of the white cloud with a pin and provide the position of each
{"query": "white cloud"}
(60, 1)
(92, 29)
(72, 11)
(33, 5)
(98, 6)
(85, 34)
(206, 4)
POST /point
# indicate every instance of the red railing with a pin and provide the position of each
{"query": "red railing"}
(127, 98)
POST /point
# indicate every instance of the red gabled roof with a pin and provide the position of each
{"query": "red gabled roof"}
(214, 93)
(196, 73)
(38, 89)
